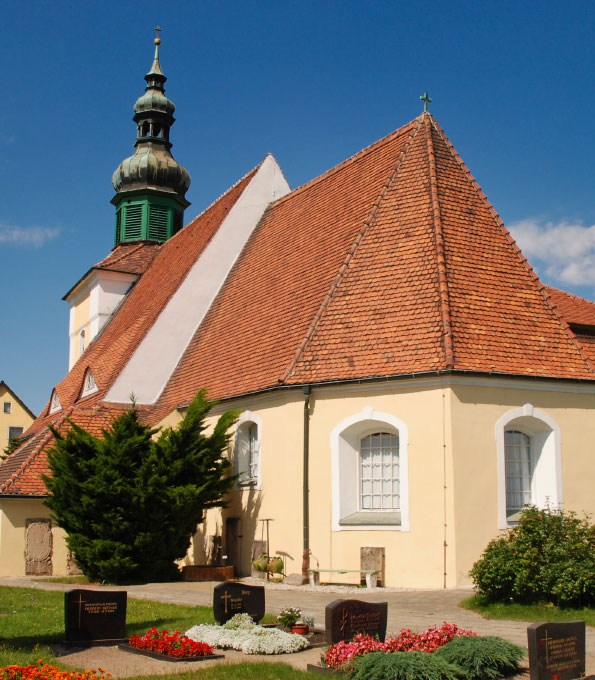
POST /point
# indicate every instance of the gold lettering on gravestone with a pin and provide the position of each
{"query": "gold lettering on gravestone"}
(100, 607)
(558, 651)
(236, 603)
(365, 621)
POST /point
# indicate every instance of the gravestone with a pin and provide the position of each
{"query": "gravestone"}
(231, 598)
(556, 650)
(345, 618)
(95, 617)
(372, 558)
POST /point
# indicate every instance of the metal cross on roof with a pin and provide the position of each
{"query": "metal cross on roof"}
(426, 100)
(158, 29)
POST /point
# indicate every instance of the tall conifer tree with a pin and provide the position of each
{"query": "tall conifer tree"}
(130, 503)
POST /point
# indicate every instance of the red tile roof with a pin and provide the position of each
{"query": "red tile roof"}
(20, 472)
(134, 258)
(392, 263)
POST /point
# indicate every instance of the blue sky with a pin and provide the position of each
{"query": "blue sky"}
(311, 82)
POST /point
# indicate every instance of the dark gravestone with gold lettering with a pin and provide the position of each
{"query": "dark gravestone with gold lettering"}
(231, 598)
(95, 617)
(345, 618)
(556, 650)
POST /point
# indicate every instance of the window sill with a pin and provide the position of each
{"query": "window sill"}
(248, 484)
(366, 518)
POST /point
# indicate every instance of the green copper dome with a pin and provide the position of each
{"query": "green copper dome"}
(150, 185)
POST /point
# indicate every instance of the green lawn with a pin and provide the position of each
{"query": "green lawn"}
(31, 620)
(527, 612)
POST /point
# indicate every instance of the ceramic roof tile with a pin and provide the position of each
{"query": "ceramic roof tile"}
(574, 309)
(135, 258)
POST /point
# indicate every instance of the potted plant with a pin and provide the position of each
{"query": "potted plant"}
(289, 616)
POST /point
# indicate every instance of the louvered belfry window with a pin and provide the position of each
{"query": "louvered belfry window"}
(118, 226)
(158, 222)
(134, 222)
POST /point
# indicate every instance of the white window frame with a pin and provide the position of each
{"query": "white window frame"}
(55, 404)
(89, 384)
(545, 441)
(249, 418)
(346, 462)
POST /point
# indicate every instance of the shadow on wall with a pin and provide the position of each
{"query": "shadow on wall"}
(241, 528)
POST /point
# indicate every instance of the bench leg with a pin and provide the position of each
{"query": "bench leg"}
(314, 578)
(371, 580)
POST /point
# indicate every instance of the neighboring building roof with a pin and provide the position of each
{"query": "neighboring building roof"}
(392, 263)
(16, 398)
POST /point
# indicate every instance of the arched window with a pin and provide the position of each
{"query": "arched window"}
(247, 450)
(529, 463)
(370, 473)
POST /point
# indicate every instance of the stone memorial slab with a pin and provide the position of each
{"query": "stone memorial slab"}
(232, 598)
(95, 617)
(556, 650)
(346, 618)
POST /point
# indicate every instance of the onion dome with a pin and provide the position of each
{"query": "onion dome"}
(151, 185)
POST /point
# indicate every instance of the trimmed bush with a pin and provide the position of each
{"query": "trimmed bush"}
(402, 666)
(548, 557)
(482, 658)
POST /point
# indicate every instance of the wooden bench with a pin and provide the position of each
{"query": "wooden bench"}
(370, 574)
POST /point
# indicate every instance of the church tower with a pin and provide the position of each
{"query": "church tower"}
(150, 185)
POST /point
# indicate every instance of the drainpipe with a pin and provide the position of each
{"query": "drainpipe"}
(306, 499)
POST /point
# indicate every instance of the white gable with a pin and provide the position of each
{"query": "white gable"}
(154, 360)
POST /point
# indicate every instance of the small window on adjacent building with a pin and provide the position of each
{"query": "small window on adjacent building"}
(14, 432)
(55, 404)
(247, 453)
(89, 384)
(8, 407)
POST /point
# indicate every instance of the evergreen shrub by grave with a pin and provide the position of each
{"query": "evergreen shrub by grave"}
(482, 658)
(402, 666)
(130, 503)
(548, 557)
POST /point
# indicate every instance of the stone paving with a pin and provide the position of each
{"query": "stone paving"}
(415, 609)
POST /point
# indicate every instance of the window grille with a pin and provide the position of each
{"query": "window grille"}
(519, 471)
(379, 472)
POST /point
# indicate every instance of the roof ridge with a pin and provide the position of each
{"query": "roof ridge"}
(336, 168)
(44, 437)
(233, 186)
(443, 291)
(540, 286)
(367, 223)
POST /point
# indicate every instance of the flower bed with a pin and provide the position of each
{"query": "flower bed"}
(242, 634)
(339, 655)
(169, 645)
(41, 671)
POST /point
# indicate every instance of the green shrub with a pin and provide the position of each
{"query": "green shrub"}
(482, 657)
(548, 557)
(402, 666)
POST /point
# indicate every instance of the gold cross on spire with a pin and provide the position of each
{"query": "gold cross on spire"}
(158, 39)
(426, 100)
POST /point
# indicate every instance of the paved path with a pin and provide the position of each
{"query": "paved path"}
(415, 609)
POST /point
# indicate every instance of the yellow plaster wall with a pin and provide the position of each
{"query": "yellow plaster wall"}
(18, 417)
(13, 515)
(475, 411)
(413, 558)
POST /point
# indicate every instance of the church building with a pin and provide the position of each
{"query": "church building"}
(405, 381)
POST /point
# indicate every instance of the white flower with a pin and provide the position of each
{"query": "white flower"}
(245, 636)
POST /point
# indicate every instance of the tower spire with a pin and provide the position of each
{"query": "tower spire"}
(150, 185)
